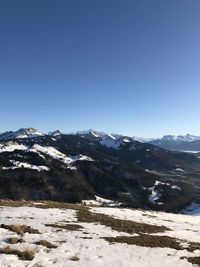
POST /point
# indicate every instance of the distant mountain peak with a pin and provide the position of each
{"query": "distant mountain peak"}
(96, 134)
(181, 138)
(21, 133)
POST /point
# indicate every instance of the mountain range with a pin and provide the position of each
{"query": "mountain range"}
(81, 166)
(190, 143)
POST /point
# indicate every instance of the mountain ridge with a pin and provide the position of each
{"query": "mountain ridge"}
(75, 167)
(186, 142)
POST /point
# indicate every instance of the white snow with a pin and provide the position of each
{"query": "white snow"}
(111, 143)
(114, 143)
(44, 150)
(96, 134)
(21, 133)
(182, 226)
(159, 183)
(102, 202)
(126, 140)
(52, 152)
(175, 187)
(180, 138)
(19, 164)
(82, 157)
(167, 184)
(111, 136)
(56, 154)
(155, 193)
(95, 251)
(11, 146)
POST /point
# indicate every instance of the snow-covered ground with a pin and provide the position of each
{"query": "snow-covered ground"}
(11, 146)
(182, 226)
(41, 151)
(87, 244)
(18, 165)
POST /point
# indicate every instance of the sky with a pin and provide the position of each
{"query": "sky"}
(122, 66)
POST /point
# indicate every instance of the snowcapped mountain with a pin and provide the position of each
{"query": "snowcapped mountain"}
(180, 138)
(21, 133)
(179, 143)
(101, 170)
(96, 134)
(185, 143)
(73, 167)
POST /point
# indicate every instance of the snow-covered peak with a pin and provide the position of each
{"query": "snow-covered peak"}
(96, 134)
(180, 138)
(142, 140)
(21, 133)
(91, 132)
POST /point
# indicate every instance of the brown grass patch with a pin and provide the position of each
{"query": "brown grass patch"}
(69, 227)
(152, 241)
(193, 260)
(193, 246)
(46, 244)
(15, 240)
(20, 229)
(84, 215)
(74, 258)
(44, 204)
(27, 254)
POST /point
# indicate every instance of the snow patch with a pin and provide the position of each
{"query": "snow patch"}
(11, 146)
(111, 143)
(54, 153)
(179, 170)
(155, 193)
(19, 164)
(102, 202)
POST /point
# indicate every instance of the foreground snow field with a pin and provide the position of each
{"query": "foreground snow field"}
(81, 241)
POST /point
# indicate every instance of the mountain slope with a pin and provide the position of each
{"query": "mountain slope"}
(76, 167)
(21, 133)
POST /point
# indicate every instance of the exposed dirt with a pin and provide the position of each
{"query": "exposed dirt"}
(20, 229)
(27, 254)
(46, 244)
(193, 260)
(151, 241)
(69, 227)
(127, 226)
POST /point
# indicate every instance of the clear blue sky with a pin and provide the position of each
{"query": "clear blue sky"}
(124, 66)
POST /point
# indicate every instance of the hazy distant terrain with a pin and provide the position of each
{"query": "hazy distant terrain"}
(188, 142)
